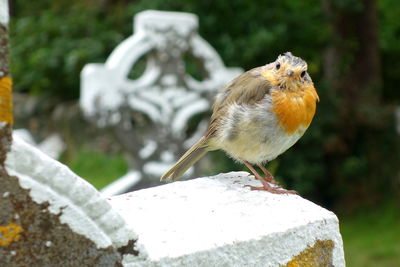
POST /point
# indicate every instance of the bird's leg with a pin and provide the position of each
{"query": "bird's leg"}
(268, 176)
(270, 179)
(256, 174)
(266, 186)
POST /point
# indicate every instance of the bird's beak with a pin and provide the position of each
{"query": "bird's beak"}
(289, 73)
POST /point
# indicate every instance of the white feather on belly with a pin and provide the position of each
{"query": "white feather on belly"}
(242, 138)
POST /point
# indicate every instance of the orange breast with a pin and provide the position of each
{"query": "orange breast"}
(294, 108)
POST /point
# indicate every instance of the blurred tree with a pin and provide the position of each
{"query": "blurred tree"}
(54, 39)
(361, 140)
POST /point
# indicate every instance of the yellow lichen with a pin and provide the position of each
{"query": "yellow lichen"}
(6, 114)
(10, 233)
(320, 255)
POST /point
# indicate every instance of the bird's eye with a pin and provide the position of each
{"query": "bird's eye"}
(278, 66)
(302, 74)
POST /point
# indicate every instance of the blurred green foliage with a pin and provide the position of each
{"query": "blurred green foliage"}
(97, 168)
(52, 40)
(371, 238)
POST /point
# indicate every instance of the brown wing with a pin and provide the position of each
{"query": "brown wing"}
(248, 88)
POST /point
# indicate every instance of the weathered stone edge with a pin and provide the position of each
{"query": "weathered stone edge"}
(81, 206)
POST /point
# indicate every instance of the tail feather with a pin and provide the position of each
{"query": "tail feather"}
(196, 152)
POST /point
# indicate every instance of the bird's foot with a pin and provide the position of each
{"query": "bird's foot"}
(273, 190)
(268, 176)
(269, 179)
(276, 189)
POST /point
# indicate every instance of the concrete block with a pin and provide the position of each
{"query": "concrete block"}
(217, 221)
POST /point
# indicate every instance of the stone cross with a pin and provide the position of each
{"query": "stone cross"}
(150, 113)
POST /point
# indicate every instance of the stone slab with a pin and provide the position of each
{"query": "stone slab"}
(217, 221)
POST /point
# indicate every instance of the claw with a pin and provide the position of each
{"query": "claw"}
(273, 190)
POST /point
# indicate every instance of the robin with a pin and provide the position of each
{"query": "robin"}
(257, 117)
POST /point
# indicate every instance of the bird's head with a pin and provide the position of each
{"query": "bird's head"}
(288, 72)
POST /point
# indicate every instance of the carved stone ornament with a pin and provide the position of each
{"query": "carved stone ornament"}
(151, 113)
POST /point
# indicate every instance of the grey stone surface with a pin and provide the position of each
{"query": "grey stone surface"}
(53, 145)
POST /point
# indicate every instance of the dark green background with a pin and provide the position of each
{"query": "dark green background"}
(350, 155)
